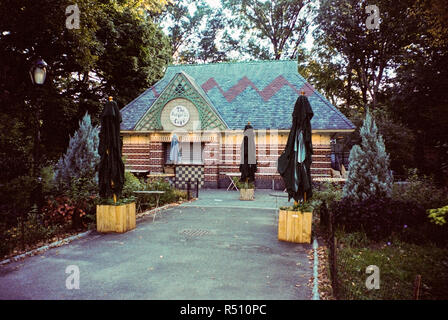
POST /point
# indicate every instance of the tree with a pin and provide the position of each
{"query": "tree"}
(208, 50)
(81, 159)
(134, 55)
(143, 6)
(370, 53)
(369, 174)
(116, 50)
(420, 100)
(181, 26)
(281, 23)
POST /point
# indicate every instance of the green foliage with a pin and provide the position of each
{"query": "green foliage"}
(369, 174)
(131, 184)
(15, 150)
(15, 198)
(184, 28)
(134, 54)
(367, 53)
(322, 68)
(34, 231)
(438, 216)
(327, 193)
(47, 174)
(171, 195)
(385, 218)
(243, 185)
(324, 195)
(398, 262)
(115, 51)
(420, 189)
(398, 139)
(111, 202)
(81, 158)
(269, 29)
(299, 207)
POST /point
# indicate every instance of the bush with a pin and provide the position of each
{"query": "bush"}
(47, 175)
(131, 184)
(62, 211)
(171, 195)
(420, 190)
(438, 216)
(34, 231)
(15, 199)
(323, 196)
(369, 174)
(378, 217)
(81, 158)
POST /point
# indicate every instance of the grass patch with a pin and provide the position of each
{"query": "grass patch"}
(399, 264)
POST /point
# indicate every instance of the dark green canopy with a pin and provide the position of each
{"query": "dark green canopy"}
(111, 168)
(295, 162)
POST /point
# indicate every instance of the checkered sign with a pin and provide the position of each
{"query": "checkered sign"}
(185, 174)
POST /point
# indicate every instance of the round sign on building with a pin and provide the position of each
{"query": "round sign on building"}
(179, 116)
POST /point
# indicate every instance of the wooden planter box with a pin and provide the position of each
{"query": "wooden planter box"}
(115, 218)
(247, 194)
(294, 226)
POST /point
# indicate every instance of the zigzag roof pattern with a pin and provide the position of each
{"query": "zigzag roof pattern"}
(262, 92)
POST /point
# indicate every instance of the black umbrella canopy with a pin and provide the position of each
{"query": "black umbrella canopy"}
(294, 165)
(248, 162)
(111, 168)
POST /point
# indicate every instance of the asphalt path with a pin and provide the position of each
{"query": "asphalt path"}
(216, 247)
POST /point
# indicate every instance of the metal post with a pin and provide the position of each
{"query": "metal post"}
(197, 187)
(188, 190)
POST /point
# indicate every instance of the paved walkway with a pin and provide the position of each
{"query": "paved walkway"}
(214, 248)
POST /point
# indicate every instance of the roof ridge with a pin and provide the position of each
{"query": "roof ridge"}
(229, 62)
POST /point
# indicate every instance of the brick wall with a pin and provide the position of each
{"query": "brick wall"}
(220, 159)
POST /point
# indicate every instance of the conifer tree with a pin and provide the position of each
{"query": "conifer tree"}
(81, 158)
(369, 174)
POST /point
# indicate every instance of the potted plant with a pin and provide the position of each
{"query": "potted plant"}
(294, 223)
(247, 189)
(116, 216)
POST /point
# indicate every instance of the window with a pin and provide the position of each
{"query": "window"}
(191, 153)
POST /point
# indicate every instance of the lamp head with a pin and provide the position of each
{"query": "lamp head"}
(38, 71)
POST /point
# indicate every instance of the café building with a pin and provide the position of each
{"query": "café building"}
(207, 106)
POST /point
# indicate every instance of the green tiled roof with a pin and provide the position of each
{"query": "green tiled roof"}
(262, 92)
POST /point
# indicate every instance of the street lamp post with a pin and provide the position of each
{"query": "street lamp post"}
(38, 73)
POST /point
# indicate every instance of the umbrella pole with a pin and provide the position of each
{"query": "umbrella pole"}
(304, 197)
(115, 196)
(111, 182)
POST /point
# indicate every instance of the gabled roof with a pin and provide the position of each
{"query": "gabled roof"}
(262, 92)
(181, 86)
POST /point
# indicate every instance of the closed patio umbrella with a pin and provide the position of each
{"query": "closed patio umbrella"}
(295, 162)
(111, 167)
(248, 162)
(174, 150)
